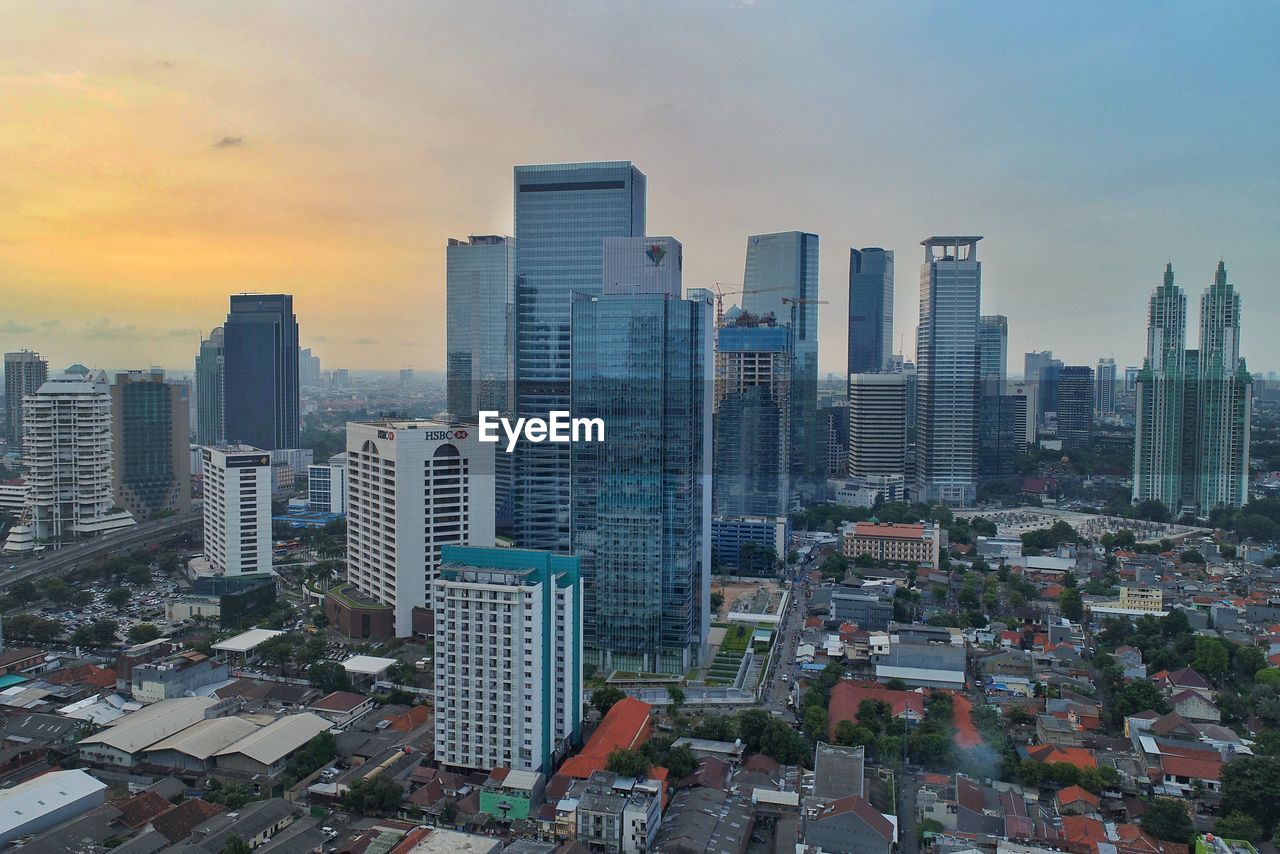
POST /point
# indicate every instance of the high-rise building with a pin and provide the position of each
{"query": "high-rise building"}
(237, 509)
(151, 441)
(1075, 406)
(562, 215)
(508, 658)
(68, 461)
(308, 367)
(751, 458)
(833, 425)
(211, 427)
(1104, 389)
(260, 357)
(413, 487)
(870, 310)
(1002, 433)
(1161, 389)
(877, 425)
(641, 498)
(1032, 363)
(781, 278)
(1225, 400)
(24, 373)
(993, 349)
(327, 486)
(947, 390)
(480, 283)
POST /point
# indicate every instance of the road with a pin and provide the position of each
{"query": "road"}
(784, 655)
(58, 561)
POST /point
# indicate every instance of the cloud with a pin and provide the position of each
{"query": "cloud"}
(365, 341)
(105, 330)
(13, 327)
(229, 142)
(51, 324)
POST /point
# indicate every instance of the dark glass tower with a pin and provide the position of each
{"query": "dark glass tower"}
(260, 371)
(870, 310)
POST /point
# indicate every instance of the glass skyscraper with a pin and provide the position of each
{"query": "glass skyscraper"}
(1226, 400)
(260, 355)
(947, 392)
(1104, 388)
(870, 310)
(210, 378)
(993, 350)
(480, 283)
(782, 278)
(563, 213)
(641, 502)
(1161, 388)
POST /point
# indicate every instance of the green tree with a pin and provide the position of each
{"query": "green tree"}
(143, 633)
(329, 676)
(1238, 825)
(32, 627)
(57, 591)
(278, 650)
(815, 723)
(24, 592)
(1167, 820)
(235, 845)
(1251, 785)
(717, 600)
(1071, 604)
(118, 598)
(1191, 556)
(676, 694)
(139, 575)
(680, 762)
(98, 633)
(1268, 677)
(628, 763)
(1211, 658)
(376, 795)
(1139, 696)
(604, 698)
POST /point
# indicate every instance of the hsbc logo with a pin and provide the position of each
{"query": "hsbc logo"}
(389, 435)
(444, 435)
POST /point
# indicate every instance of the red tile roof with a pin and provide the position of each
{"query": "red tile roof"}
(1193, 767)
(340, 701)
(846, 697)
(1071, 794)
(1081, 757)
(89, 674)
(416, 717)
(889, 530)
(1082, 830)
(626, 726)
(142, 808)
(870, 816)
(177, 824)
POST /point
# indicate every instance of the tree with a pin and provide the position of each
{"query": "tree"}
(1139, 696)
(628, 763)
(1211, 658)
(57, 591)
(24, 592)
(1191, 556)
(815, 723)
(98, 633)
(1237, 825)
(1251, 785)
(38, 629)
(329, 676)
(1071, 604)
(604, 698)
(1268, 677)
(139, 575)
(717, 600)
(235, 845)
(681, 762)
(374, 795)
(677, 697)
(1167, 820)
(118, 598)
(278, 650)
(143, 633)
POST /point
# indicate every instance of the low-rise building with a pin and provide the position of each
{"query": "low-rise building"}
(46, 801)
(917, 544)
(176, 676)
(849, 824)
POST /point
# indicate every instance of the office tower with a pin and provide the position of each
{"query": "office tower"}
(833, 424)
(870, 310)
(782, 278)
(237, 509)
(508, 658)
(751, 457)
(1225, 400)
(1025, 433)
(308, 367)
(641, 498)
(340, 378)
(1104, 389)
(260, 357)
(993, 347)
(210, 386)
(327, 486)
(562, 215)
(24, 373)
(947, 371)
(1131, 379)
(1032, 363)
(68, 461)
(413, 487)
(1075, 406)
(480, 284)
(1161, 388)
(1002, 433)
(877, 425)
(151, 442)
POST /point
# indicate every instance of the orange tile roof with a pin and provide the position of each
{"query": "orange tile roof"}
(846, 697)
(410, 720)
(888, 530)
(1082, 830)
(1081, 757)
(626, 726)
(1074, 793)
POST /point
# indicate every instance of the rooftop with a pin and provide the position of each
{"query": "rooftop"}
(368, 665)
(279, 738)
(43, 795)
(246, 641)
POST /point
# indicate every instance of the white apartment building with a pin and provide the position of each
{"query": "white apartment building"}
(413, 487)
(237, 509)
(508, 663)
(68, 459)
(327, 486)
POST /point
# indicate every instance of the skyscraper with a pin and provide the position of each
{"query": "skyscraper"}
(413, 487)
(562, 215)
(237, 509)
(1225, 400)
(308, 367)
(260, 355)
(211, 427)
(782, 278)
(151, 442)
(1104, 388)
(993, 348)
(752, 461)
(480, 281)
(870, 310)
(877, 425)
(68, 460)
(641, 498)
(24, 373)
(1075, 406)
(508, 663)
(1161, 387)
(947, 371)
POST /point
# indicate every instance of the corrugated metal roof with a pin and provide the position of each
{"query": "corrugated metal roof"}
(43, 795)
(206, 737)
(246, 641)
(277, 740)
(150, 724)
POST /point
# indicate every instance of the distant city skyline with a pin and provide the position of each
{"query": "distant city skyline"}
(188, 163)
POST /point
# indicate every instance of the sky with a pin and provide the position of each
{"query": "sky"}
(155, 157)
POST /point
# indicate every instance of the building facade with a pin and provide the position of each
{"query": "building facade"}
(237, 509)
(1075, 406)
(919, 543)
(151, 443)
(1104, 389)
(211, 426)
(947, 389)
(24, 373)
(781, 279)
(260, 359)
(877, 425)
(67, 454)
(641, 498)
(993, 351)
(327, 486)
(413, 487)
(508, 658)
(870, 310)
(562, 215)
(480, 283)
(1225, 397)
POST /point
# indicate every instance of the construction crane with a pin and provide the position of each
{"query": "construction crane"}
(736, 288)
